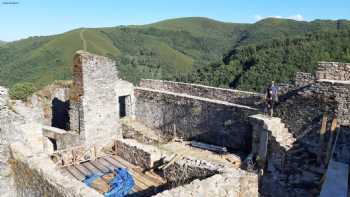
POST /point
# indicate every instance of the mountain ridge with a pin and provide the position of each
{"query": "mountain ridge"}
(169, 49)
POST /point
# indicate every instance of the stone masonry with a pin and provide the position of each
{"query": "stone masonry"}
(304, 79)
(333, 71)
(36, 175)
(94, 103)
(223, 94)
(194, 118)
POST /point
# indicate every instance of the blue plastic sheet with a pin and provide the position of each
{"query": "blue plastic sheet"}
(120, 185)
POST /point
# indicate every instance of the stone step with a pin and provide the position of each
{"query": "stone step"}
(317, 170)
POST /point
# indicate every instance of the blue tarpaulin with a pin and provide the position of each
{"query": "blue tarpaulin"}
(120, 185)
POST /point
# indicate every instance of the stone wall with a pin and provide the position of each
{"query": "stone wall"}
(223, 179)
(300, 111)
(229, 95)
(303, 79)
(63, 139)
(339, 93)
(194, 118)
(36, 175)
(94, 98)
(9, 132)
(188, 169)
(235, 184)
(333, 71)
(138, 154)
(46, 106)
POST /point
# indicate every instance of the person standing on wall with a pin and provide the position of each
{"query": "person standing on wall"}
(268, 102)
(274, 90)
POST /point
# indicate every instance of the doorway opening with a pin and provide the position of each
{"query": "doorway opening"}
(122, 106)
(60, 114)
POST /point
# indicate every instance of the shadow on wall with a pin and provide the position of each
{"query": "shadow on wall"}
(207, 123)
(60, 114)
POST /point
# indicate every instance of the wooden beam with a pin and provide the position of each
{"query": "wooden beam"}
(330, 142)
(210, 147)
(322, 132)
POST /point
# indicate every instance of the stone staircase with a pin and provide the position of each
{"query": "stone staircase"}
(276, 128)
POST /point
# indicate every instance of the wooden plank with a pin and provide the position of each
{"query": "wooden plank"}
(210, 147)
(119, 164)
(175, 158)
(324, 123)
(91, 168)
(155, 177)
(111, 168)
(138, 181)
(83, 170)
(322, 132)
(99, 166)
(124, 162)
(330, 142)
(157, 180)
(78, 175)
(136, 172)
(107, 164)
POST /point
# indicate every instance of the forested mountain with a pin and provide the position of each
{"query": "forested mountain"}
(252, 67)
(197, 50)
(2, 42)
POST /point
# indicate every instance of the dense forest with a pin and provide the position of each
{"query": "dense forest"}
(199, 50)
(252, 67)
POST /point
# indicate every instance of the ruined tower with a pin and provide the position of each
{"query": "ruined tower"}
(93, 98)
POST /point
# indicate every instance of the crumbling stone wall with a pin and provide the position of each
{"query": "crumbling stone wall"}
(337, 92)
(229, 95)
(236, 183)
(94, 110)
(300, 111)
(36, 175)
(194, 118)
(9, 132)
(40, 106)
(333, 71)
(303, 79)
(187, 169)
(138, 154)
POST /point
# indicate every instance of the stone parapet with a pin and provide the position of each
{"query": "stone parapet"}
(333, 71)
(228, 95)
(36, 175)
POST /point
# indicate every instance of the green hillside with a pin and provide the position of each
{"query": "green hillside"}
(252, 67)
(176, 49)
(2, 42)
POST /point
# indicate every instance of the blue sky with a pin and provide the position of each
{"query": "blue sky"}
(46, 17)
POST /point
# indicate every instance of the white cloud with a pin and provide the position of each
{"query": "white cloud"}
(297, 17)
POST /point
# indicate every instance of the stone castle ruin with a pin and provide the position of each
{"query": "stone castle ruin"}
(161, 132)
